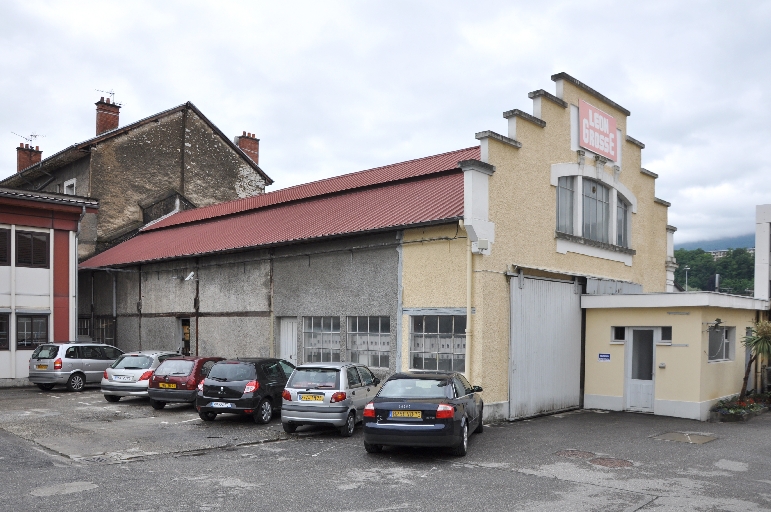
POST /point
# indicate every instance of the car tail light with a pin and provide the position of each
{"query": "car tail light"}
(146, 375)
(445, 411)
(200, 386)
(105, 376)
(337, 397)
(286, 395)
(369, 410)
(58, 364)
(191, 382)
(251, 386)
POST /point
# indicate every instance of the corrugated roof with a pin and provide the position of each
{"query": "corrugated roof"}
(370, 177)
(432, 198)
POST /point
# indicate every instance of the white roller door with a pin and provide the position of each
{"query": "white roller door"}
(545, 365)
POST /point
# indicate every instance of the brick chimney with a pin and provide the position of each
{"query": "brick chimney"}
(106, 115)
(26, 156)
(250, 145)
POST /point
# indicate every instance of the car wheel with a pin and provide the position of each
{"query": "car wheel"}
(46, 387)
(112, 398)
(264, 412)
(373, 448)
(207, 416)
(157, 405)
(480, 428)
(350, 424)
(462, 449)
(76, 382)
(289, 428)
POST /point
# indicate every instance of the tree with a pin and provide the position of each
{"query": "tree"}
(759, 345)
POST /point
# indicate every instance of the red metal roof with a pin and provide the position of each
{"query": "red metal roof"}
(378, 175)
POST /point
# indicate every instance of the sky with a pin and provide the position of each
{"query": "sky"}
(339, 86)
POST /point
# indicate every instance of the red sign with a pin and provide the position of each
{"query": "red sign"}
(597, 131)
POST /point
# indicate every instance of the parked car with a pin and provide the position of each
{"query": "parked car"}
(250, 386)
(74, 364)
(328, 393)
(176, 380)
(424, 409)
(130, 374)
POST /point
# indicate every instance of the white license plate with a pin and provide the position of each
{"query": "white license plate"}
(122, 378)
(220, 404)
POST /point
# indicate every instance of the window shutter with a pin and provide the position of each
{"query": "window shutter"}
(5, 246)
(23, 248)
(40, 250)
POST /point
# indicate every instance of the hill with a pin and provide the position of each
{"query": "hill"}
(736, 242)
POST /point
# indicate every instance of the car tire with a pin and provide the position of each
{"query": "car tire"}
(112, 398)
(207, 416)
(373, 448)
(289, 428)
(264, 412)
(462, 448)
(76, 382)
(350, 424)
(480, 428)
(46, 387)
(157, 405)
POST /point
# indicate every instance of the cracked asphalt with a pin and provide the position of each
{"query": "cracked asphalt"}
(75, 451)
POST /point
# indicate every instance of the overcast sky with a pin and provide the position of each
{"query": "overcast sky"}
(336, 87)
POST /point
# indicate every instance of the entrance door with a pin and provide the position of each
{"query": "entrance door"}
(545, 346)
(640, 371)
(288, 339)
(184, 328)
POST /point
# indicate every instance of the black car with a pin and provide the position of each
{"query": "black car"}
(423, 409)
(243, 386)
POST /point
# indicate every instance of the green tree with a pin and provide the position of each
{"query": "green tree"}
(736, 269)
(759, 345)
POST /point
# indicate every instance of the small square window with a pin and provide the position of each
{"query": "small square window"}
(619, 334)
(666, 334)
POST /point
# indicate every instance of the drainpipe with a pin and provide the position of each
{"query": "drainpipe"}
(272, 335)
(196, 302)
(77, 294)
(469, 284)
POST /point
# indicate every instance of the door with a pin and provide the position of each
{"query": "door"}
(640, 371)
(276, 381)
(368, 381)
(545, 346)
(92, 362)
(288, 339)
(184, 342)
(358, 392)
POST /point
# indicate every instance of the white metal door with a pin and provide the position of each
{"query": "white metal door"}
(288, 337)
(639, 371)
(545, 346)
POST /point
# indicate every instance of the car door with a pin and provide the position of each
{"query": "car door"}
(356, 390)
(368, 383)
(472, 400)
(276, 381)
(92, 362)
(288, 368)
(106, 356)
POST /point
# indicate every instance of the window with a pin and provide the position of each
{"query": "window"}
(369, 340)
(84, 327)
(4, 331)
(273, 372)
(438, 342)
(88, 352)
(721, 343)
(622, 222)
(31, 249)
(104, 330)
(565, 192)
(596, 211)
(354, 381)
(206, 368)
(31, 331)
(111, 352)
(666, 334)
(288, 368)
(321, 338)
(619, 333)
(5, 247)
(366, 376)
(69, 187)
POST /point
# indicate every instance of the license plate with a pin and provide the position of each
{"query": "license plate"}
(311, 398)
(167, 385)
(406, 414)
(122, 378)
(42, 367)
(220, 404)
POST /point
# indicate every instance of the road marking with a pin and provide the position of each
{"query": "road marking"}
(67, 488)
(188, 421)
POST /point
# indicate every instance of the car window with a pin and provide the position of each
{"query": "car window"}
(233, 372)
(111, 352)
(132, 362)
(353, 377)
(273, 371)
(414, 388)
(45, 352)
(88, 352)
(71, 353)
(178, 367)
(468, 387)
(164, 357)
(314, 378)
(206, 367)
(288, 368)
(459, 389)
(366, 376)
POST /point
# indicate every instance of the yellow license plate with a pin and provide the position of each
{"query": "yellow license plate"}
(406, 414)
(166, 385)
(311, 398)
(42, 367)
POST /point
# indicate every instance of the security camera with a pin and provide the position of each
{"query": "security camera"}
(190, 276)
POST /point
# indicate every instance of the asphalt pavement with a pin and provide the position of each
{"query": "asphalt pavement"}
(75, 451)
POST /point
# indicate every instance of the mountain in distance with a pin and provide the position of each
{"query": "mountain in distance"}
(735, 242)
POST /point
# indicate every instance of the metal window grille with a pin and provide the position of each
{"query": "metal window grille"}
(104, 330)
(369, 340)
(84, 327)
(321, 338)
(438, 342)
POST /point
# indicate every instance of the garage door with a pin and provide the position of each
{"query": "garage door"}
(545, 365)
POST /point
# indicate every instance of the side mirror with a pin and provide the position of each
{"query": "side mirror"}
(477, 389)
(375, 381)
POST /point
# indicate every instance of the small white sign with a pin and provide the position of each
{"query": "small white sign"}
(604, 358)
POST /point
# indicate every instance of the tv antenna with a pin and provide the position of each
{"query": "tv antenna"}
(31, 138)
(112, 96)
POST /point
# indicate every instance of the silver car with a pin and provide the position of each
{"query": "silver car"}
(72, 364)
(327, 393)
(130, 374)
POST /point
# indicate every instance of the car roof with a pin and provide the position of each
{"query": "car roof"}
(248, 360)
(192, 358)
(77, 343)
(149, 352)
(425, 374)
(332, 365)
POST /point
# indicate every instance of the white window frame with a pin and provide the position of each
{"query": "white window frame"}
(727, 351)
(657, 334)
(442, 345)
(378, 343)
(70, 183)
(314, 339)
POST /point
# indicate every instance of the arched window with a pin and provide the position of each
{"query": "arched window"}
(596, 211)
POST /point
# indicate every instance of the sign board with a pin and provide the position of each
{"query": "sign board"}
(597, 131)
(604, 358)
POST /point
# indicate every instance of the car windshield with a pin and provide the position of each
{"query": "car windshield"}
(175, 367)
(233, 371)
(414, 388)
(315, 378)
(45, 352)
(132, 362)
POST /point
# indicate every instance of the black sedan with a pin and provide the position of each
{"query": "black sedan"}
(423, 409)
(243, 386)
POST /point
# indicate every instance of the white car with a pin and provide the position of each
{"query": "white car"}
(130, 374)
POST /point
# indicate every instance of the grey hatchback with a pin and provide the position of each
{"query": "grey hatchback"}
(73, 364)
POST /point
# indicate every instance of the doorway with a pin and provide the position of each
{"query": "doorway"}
(288, 339)
(184, 328)
(639, 371)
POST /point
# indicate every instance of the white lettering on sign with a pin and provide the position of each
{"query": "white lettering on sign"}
(604, 358)
(598, 131)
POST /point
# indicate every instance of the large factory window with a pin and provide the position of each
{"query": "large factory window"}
(438, 342)
(321, 338)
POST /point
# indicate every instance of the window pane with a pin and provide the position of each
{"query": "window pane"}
(23, 248)
(432, 324)
(460, 325)
(385, 324)
(595, 211)
(39, 249)
(4, 330)
(5, 246)
(417, 324)
(716, 345)
(565, 205)
(352, 323)
(666, 334)
(445, 324)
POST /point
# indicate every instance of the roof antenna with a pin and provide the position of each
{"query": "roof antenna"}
(31, 138)
(112, 96)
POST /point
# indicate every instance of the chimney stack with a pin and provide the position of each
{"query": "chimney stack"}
(106, 116)
(27, 156)
(249, 145)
